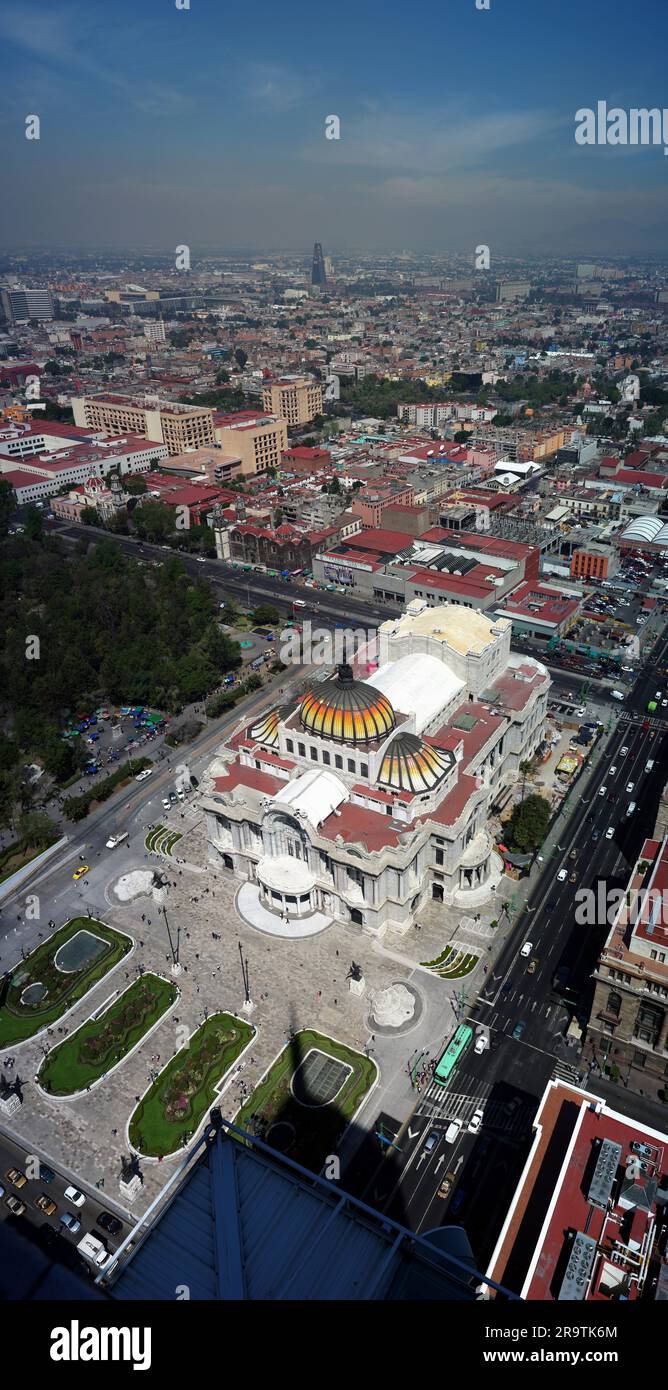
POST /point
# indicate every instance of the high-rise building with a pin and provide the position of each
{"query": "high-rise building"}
(318, 272)
(20, 304)
(293, 398)
(256, 438)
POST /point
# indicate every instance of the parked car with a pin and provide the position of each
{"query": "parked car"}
(16, 1177)
(73, 1195)
(16, 1206)
(71, 1222)
(519, 1029)
(141, 776)
(110, 1223)
(45, 1204)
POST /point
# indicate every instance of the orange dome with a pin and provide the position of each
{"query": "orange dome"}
(347, 710)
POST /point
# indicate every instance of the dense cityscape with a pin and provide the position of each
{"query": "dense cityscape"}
(334, 775)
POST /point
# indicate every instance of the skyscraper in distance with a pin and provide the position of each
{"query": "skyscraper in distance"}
(318, 273)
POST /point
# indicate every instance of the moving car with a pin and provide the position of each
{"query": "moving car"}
(481, 1043)
(519, 1029)
(45, 1204)
(623, 751)
(16, 1177)
(649, 765)
(629, 787)
(562, 875)
(527, 948)
(115, 840)
(447, 1185)
(532, 966)
(572, 878)
(609, 832)
(475, 1121)
(612, 772)
(109, 1223)
(431, 1141)
(602, 791)
(73, 1195)
(573, 854)
(166, 803)
(79, 873)
(452, 1131)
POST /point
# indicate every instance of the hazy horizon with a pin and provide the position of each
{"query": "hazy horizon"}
(166, 127)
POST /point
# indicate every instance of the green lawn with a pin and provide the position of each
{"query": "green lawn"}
(100, 1043)
(316, 1130)
(177, 1101)
(161, 839)
(20, 1021)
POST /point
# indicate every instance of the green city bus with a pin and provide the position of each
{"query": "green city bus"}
(453, 1054)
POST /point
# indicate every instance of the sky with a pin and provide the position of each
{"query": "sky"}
(205, 126)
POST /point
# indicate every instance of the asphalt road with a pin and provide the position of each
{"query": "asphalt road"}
(521, 1016)
(48, 1232)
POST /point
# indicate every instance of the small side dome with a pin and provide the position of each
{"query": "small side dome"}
(410, 765)
(266, 729)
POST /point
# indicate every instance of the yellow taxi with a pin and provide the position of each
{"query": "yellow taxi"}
(83, 869)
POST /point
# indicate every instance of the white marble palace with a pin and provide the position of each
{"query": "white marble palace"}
(370, 794)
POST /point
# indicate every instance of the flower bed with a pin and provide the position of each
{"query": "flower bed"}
(101, 1042)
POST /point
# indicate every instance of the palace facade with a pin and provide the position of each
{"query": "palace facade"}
(370, 794)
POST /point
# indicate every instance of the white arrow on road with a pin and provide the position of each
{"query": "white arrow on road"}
(440, 1161)
(459, 1162)
(413, 1133)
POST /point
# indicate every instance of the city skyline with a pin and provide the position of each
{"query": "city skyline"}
(190, 127)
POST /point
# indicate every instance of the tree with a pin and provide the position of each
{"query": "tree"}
(36, 829)
(528, 824)
(91, 517)
(33, 524)
(7, 505)
(265, 614)
(135, 486)
(240, 357)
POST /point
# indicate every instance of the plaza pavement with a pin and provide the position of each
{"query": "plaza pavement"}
(294, 984)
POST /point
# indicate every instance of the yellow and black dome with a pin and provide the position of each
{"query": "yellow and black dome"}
(347, 710)
(266, 729)
(410, 765)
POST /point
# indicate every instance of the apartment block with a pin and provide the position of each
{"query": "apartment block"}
(180, 427)
(258, 439)
(296, 399)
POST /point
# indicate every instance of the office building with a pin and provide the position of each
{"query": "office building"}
(295, 399)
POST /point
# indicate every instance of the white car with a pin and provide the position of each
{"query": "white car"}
(452, 1131)
(141, 776)
(629, 787)
(602, 791)
(623, 751)
(612, 772)
(73, 1195)
(609, 832)
(481, 1043)
(527, 948)
(475, 1121)
(562, 875)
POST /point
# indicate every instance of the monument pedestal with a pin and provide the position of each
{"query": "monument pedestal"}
(176, 968)
(357, 986)
(9, 1103)
(247, 1007)
(130, 1187)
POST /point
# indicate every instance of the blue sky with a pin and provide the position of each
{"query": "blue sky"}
(206, 126)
